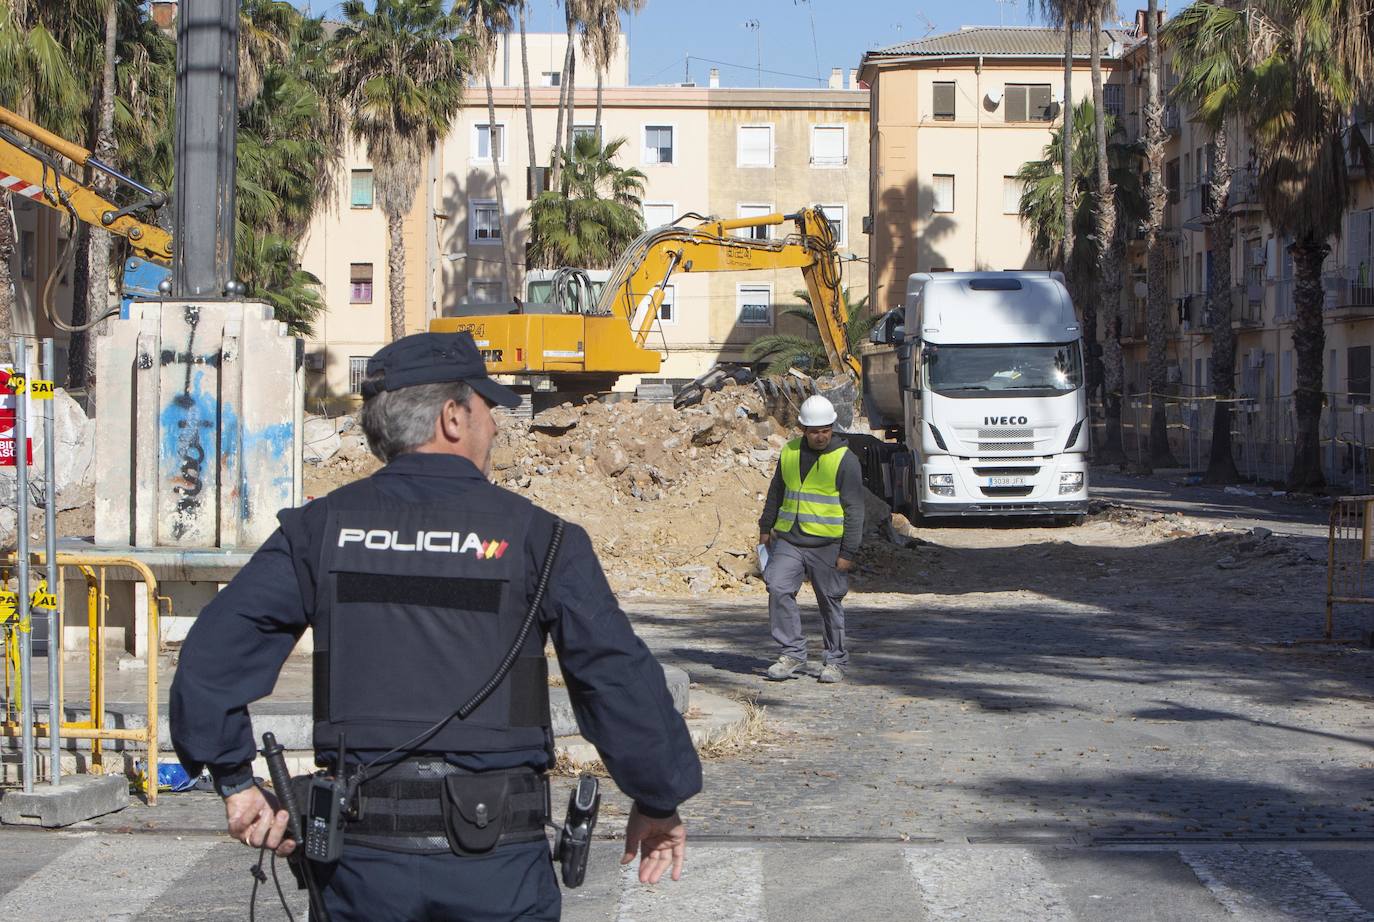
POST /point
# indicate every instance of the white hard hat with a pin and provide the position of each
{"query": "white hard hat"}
(816, 411)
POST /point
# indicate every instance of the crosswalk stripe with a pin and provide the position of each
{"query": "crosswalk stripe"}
(104, 878)
(1272, 885)
(717, 884)
(1004, 883)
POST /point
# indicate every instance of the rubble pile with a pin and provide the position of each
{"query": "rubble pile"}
(671, 498)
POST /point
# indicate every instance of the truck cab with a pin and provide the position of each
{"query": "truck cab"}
(981, 375)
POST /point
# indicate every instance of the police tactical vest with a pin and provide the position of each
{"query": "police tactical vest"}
(415, 608)
(814, 503)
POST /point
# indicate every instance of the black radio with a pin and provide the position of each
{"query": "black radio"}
(324, 820)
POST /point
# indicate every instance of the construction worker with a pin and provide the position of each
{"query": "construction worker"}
(812, 526)
(416, 581)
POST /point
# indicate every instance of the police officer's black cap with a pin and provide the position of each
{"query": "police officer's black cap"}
(433, 358)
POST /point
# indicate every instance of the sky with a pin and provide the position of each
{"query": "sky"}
(673, 38)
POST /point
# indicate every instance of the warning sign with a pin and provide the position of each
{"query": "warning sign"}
(9, 402)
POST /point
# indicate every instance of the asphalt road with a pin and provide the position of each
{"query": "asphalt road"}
(1029, 734)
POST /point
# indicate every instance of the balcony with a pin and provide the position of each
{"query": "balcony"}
(1348, 299)
(1284, 309)
(1197, 207)
(1244, 192)
(1133, 321)
(1194, 315)
(1171, 119)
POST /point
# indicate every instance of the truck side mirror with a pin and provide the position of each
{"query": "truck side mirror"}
(908, 371)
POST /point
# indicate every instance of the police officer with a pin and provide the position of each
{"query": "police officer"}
(416, 581)
(812, 524)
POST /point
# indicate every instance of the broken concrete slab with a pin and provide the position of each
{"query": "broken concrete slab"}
(75, 800)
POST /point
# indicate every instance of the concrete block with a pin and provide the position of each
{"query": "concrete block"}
(74, 800)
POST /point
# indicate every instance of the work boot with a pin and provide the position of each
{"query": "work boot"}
(832, 673)
(785, 668)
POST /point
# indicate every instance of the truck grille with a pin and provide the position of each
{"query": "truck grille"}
(1006, 434)
(1007, 491)
(1006, 471)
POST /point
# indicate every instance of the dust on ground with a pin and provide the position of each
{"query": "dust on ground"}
(671, 499)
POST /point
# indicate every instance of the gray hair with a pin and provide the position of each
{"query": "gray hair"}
(400, 421)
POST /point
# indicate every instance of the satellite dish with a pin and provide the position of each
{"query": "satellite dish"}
(994, 96)
(1141, 289)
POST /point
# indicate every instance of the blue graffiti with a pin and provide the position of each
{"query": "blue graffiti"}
(184, 422)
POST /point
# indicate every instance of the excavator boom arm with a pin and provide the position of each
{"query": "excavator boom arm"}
(32, 173)
(636, 287)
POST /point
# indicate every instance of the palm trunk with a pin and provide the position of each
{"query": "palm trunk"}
(1113, 370)
(529, 104)
(572, 105)
(1309, 342)
(1221, 464)
(600, 80)
(396, 273)
(1156, 325)
(500, 193)
(1066, 107)
(92, 299)
(562, 106)
(9, 295)
(1108, 264)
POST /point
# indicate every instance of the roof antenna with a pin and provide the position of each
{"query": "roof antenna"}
(1002, 8)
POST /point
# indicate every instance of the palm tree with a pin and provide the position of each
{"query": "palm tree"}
(1310, 62)
(1209, 42)
(805, 353)
(600, 39)
(593, 215)
(402, 70)
(484, 21)
(1067, 15)
(270, 269)
(1042, 188)
(39, 45)
(1156, 277)
(529, 103)
(1110, 255)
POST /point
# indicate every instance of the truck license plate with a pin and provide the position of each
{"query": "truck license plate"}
(1007, 481)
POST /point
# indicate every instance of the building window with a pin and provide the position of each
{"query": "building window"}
(1011, 195)
(551, 78)
(754, 145)
(1028, 102)
(835, 217)
(489, 139)
(360, 283)
(28, 245)
(829, 145)
(944, 193)
(1357, 373)
(485, 292)
(1114, 99)
(659, 214)
(758, 231)
(942, 102)
(486, 222)
(357, 371)
(360, 189)
(585, 131)
(658, 144)
(755, 304)
(666, 311)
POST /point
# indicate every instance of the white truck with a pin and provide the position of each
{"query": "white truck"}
(979, 375)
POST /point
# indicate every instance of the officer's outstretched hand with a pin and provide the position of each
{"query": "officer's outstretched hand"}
(660, 843)
(253, 819)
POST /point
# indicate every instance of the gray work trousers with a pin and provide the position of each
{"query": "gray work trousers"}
(787, 564)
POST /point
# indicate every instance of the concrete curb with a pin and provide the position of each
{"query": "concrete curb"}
(712, 716)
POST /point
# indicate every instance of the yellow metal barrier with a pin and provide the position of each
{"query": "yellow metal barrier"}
(97, 604)
(1349, 556)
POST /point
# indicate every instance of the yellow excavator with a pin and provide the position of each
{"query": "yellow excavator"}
(583, 343)
(31, 167)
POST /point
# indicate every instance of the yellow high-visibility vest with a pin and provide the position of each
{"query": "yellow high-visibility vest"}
(813, 503)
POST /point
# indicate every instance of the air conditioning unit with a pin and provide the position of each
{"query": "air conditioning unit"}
(314, 361)
(1173, 374)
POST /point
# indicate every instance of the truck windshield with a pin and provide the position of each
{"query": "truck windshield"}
(1035, 369)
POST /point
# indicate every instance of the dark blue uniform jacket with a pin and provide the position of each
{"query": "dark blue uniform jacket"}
(240, 641)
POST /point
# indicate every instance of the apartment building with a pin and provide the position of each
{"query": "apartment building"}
(707, 150)
(953, 117)
(1262, 306)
